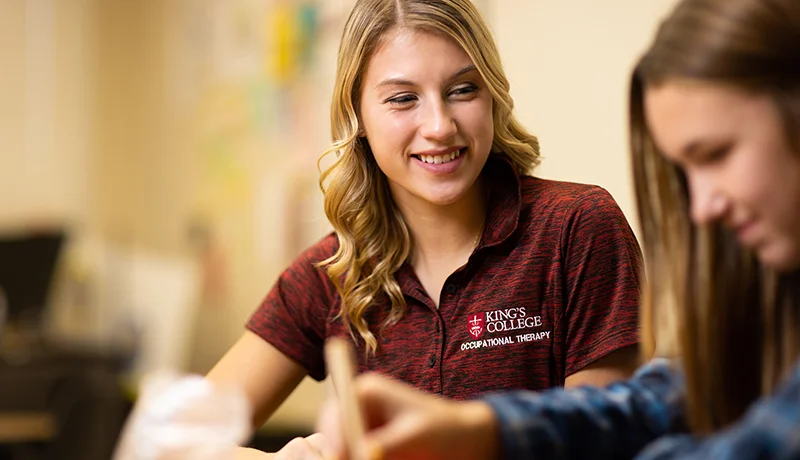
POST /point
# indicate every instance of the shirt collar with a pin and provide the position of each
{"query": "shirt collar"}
(504, 203)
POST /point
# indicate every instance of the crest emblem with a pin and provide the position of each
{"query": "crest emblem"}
(475, 324)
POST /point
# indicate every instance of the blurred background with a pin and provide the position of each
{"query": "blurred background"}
(158, 171)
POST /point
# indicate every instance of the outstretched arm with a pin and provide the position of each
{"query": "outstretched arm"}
(769, 430)
(612, 423)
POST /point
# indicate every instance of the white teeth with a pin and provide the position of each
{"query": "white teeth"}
(439, 159)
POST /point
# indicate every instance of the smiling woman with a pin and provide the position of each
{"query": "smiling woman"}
(448, 261)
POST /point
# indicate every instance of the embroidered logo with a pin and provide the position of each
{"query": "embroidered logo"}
(475, 324)
(512, 321)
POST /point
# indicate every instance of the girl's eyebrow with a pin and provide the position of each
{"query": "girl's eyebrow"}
(399, 81)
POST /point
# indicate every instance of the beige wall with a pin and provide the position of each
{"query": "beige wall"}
(12, 103)
(569, 63)
(44, 111)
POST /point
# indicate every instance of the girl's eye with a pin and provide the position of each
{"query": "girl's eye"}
(713, 156)
(402, 99)
(464, 90)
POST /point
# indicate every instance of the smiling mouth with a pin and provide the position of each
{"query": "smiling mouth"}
(439, 159)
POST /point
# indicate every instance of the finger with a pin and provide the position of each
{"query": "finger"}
(316, 442)
(394, 440)
(298, 449)
(382, 398)
(329, 426)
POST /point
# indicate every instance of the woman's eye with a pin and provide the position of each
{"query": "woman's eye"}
(715, 155)
(463, 90)
(401, 99)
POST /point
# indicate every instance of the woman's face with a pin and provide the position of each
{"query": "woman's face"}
(427, 115)
(740, 168)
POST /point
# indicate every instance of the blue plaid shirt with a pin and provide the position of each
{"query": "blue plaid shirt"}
(642, 418)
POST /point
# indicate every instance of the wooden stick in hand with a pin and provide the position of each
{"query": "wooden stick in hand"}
(340, 362)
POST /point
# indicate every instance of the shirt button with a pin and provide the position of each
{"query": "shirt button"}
(432, 361)
(450, 289)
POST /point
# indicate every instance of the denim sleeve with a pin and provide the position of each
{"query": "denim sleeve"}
(770, 429)
(592, 423)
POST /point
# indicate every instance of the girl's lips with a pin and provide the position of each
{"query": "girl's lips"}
(442, 168)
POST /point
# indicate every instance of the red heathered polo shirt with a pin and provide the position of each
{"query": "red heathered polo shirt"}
(552, 286)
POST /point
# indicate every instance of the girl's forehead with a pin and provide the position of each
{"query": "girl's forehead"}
(680, 114)
(409, 53)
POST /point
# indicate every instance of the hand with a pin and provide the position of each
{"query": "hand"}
(403, 423)
(308, 448)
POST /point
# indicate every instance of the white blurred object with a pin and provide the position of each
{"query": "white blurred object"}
(185, 418)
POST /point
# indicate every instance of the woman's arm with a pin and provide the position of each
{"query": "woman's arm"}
(265, 374)
(267, 377)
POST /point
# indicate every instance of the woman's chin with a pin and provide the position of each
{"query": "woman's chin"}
(780, 257)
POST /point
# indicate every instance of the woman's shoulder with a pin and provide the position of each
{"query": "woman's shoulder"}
(544, 195)
(312, 257)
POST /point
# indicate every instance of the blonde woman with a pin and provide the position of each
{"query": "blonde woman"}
(715, 135)
(451, 267)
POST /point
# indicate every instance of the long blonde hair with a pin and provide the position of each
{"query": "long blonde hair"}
(733, 322)
(374, 240)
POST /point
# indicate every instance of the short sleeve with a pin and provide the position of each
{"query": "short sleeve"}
(293, 316)
(601, 263)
